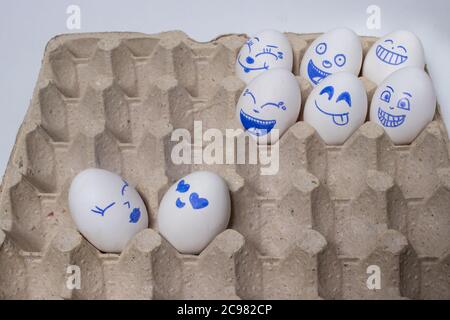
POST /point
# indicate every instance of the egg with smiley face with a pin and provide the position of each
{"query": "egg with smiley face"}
(270, 102)
(106, 209)
(404, 104)
(194, 211)
(396, 50)
(336, 107)
(336, 51)
(267, 50)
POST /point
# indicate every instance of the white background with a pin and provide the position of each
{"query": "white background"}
(26, 26)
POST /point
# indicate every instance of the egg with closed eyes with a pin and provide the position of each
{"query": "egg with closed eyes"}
(194, 211)
(107, 210)
(269, 105)
(337, 107)
(267, 50)
(392, 52)
(338, 50)
(403, 104)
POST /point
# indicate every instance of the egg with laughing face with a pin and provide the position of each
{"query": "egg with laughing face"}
(404, 104)
(336, 107)
(270, 102)
(396, 50)
(106, 209)
(267, 50)
(339, 50)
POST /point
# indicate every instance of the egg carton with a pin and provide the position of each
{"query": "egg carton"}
(315, 230)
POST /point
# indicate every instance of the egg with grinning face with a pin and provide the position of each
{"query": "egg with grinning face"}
(394, 51)
(404, 104)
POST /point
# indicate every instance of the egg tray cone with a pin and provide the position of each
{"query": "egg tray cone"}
(112, 100)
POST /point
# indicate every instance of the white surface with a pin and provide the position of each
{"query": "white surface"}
(26, 26)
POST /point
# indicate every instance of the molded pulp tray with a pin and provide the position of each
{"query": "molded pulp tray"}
(111, 100)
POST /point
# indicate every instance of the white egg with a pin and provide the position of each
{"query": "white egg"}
(270, 102)
(194, 211)
(335, 51)
(106, 209)
(337, 107)
(404, 104)
(267, 50)
(394, 51)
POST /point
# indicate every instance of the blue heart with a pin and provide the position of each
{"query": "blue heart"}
(197, 202)
(135, 215)
(179, 203)
(182, 187)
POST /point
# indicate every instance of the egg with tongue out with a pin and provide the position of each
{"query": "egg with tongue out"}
(336, 107)
(269, 105)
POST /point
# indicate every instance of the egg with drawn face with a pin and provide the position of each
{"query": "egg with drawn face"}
(106, 209)
(267, 50)
(337, 107)
(404, 104)
(396, 50)
(194, 211)
(339, 50)
(270, 102)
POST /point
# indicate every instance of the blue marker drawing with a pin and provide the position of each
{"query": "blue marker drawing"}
(315, 74)
(197, 202)
(182, 187)
(250, 60)
(249, 93)
(391, 54)
(135, 215)
(127, 203)
(179, 203)
(255, 62)
(340, 59)
(390, 120)
(101, 211)
(339, 119)
(124, 187)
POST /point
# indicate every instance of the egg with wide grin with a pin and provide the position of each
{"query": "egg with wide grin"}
(394, 51)
(404, 104)
(339, 50)
(271, 101)
(337, 107)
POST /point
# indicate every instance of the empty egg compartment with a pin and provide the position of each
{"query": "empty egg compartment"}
(311, 231)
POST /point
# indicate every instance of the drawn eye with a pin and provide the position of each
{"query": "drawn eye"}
(125, 185)
(403, 103)
(403, 48)
(339, 59)
(321, 48)
(385, 96)
(328, 90)
(345, 96)
(101, 211)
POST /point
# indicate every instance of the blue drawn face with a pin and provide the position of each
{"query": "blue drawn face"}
(254, 124)
(390, 53)
(324, 67)
(196, 202)
(343, 101)
(135, 214)
(398, 108)
(258, 59)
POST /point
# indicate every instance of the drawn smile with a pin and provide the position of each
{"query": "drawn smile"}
(255, 126)
(388, 120)
(340, 119)
(247, 68)
(315, 74)
(389, 56)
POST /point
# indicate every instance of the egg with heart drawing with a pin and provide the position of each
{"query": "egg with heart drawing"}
(337, 107)
(338, 50)
(404, 104)
(269, 105)
(106, 209)
(392, 52)
(267, 50)
(194, 211)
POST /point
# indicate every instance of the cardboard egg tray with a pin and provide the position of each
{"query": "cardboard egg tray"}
(315, 230)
